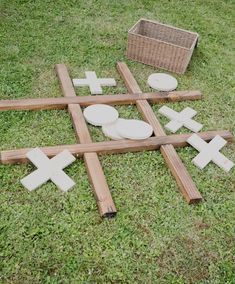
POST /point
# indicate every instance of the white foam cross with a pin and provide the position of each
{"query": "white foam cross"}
(49, 169)
(210, 152)
(184, 118)
(94, 83)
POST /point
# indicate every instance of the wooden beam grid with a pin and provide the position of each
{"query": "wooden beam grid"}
(90, 150)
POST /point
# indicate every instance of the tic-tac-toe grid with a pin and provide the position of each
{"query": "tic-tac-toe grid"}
(90, 150)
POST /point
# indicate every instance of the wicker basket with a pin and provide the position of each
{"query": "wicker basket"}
(161, 45)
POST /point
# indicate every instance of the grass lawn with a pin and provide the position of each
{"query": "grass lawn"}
(50, 237)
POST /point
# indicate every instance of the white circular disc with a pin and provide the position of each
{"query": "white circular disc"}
(134, 129)
(110, 130)
(100, 114)
(162, 82)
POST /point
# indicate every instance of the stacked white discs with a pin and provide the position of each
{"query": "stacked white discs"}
(128, 128)
(111, 132)
(162, 82)
(114, 127)
(133, 129)
(100, 114)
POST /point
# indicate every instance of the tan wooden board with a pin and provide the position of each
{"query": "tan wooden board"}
(185, 182)
(94, 169)
(121, 99)
(112, 147)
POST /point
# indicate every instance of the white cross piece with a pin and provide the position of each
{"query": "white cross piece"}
(184, 118)
(94, 83)
(49, 169)
(210, 152)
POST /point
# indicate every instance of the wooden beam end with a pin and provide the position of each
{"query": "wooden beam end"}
(195, 200)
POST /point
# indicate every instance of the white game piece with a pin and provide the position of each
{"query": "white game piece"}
(100, 114)
(110, 130)
(134, 129)
(94, 83)
(162, 82)
(49, 169)
(210, 152)
(180, 119)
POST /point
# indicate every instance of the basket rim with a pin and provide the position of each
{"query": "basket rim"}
(130, 31)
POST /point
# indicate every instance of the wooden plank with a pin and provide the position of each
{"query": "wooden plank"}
(121, 99)
(185, 182)
(95, 172)
(79, 124)
(112, 147)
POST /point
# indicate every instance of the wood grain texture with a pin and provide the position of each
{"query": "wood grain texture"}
(185, 182)
(94, 169)
(112, 147)
(120, 99)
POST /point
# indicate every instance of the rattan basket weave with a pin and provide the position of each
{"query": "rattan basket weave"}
(160, 45)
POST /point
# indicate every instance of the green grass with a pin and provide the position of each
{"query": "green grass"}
(50, 237)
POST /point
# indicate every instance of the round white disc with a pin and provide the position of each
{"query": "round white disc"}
(100, 114)
(162, 82)
(110, 130)
(133, 129)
